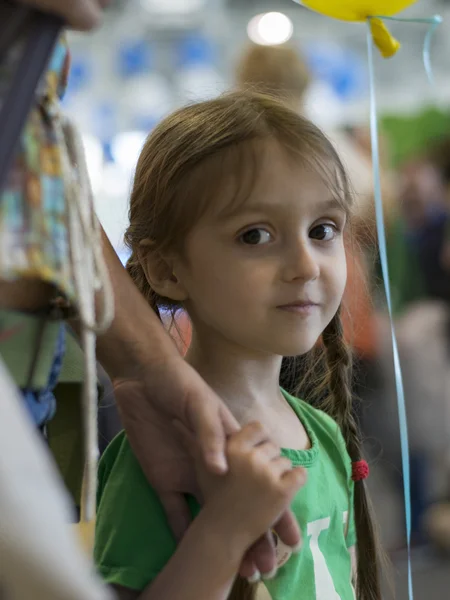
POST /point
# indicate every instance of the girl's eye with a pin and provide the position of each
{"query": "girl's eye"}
(324, 232)
(256, 237)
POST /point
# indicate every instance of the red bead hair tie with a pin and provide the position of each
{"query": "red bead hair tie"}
(360, 470)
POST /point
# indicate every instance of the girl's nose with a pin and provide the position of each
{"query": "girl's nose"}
(301, 262)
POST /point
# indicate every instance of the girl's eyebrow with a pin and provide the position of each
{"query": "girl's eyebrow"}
(332, 204)
(238, 210)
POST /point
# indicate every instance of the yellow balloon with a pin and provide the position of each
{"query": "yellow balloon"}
(361, 10)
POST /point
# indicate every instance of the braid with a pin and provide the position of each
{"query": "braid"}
(339, 376)
(242, 590)
(340, 406)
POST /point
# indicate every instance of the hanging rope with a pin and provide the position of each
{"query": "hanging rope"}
(91, 279)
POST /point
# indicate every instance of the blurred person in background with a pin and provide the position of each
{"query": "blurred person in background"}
(417, 239)
(441, 158)
(418, 232)
(423, 204)
(430, 187)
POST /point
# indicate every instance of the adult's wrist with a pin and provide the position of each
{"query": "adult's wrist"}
(136, 355)
(136, 340)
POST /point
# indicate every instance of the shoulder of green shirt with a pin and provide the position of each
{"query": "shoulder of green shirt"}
(319, 421)
(133, 540)
(326, 428)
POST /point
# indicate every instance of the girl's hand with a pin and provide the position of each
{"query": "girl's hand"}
(79, 14)
(258, 488)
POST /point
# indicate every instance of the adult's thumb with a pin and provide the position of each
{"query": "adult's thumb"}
(177, 512)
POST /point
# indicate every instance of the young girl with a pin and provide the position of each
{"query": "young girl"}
(238, 216)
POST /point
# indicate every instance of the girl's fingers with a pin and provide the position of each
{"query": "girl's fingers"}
(281, 465)
(249, 437)
(269, 450)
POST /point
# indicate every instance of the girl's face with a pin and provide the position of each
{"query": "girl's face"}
(269, 275)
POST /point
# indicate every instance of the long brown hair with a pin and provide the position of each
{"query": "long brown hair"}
(185, 163)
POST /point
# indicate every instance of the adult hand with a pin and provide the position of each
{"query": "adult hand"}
(148, 407)
(149, 404)
(78, 14)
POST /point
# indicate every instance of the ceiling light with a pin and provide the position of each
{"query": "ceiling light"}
(270, 29)
(171, 7)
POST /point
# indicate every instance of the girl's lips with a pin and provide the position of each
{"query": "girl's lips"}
(299, 307)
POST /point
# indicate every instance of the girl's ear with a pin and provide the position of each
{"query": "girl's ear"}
(159, 273)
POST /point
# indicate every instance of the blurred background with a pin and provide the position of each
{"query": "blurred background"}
(152, 56)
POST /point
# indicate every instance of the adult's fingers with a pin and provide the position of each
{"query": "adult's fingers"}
(248, 568)
(83, 15)
(177, 512)
(211, 422)
(186, 437)
(78, 14)
(261, 558)
(264, 555)
(288, 530)
(230, 424)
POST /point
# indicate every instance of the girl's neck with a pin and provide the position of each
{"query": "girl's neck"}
(245, 380)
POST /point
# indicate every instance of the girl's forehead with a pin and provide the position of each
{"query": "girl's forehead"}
(273, 179)
(274, 191)
(243, 174)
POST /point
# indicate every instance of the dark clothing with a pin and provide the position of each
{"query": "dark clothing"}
(428, 243)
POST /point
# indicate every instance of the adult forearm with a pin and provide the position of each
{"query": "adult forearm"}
(136, 337)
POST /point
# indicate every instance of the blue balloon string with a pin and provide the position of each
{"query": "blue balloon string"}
(385, 270)
(434, 23)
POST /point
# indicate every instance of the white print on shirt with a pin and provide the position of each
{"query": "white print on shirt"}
(323, 579)
(322, 576)
(325, 589)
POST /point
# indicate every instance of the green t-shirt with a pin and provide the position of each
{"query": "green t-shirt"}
(134, 542)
